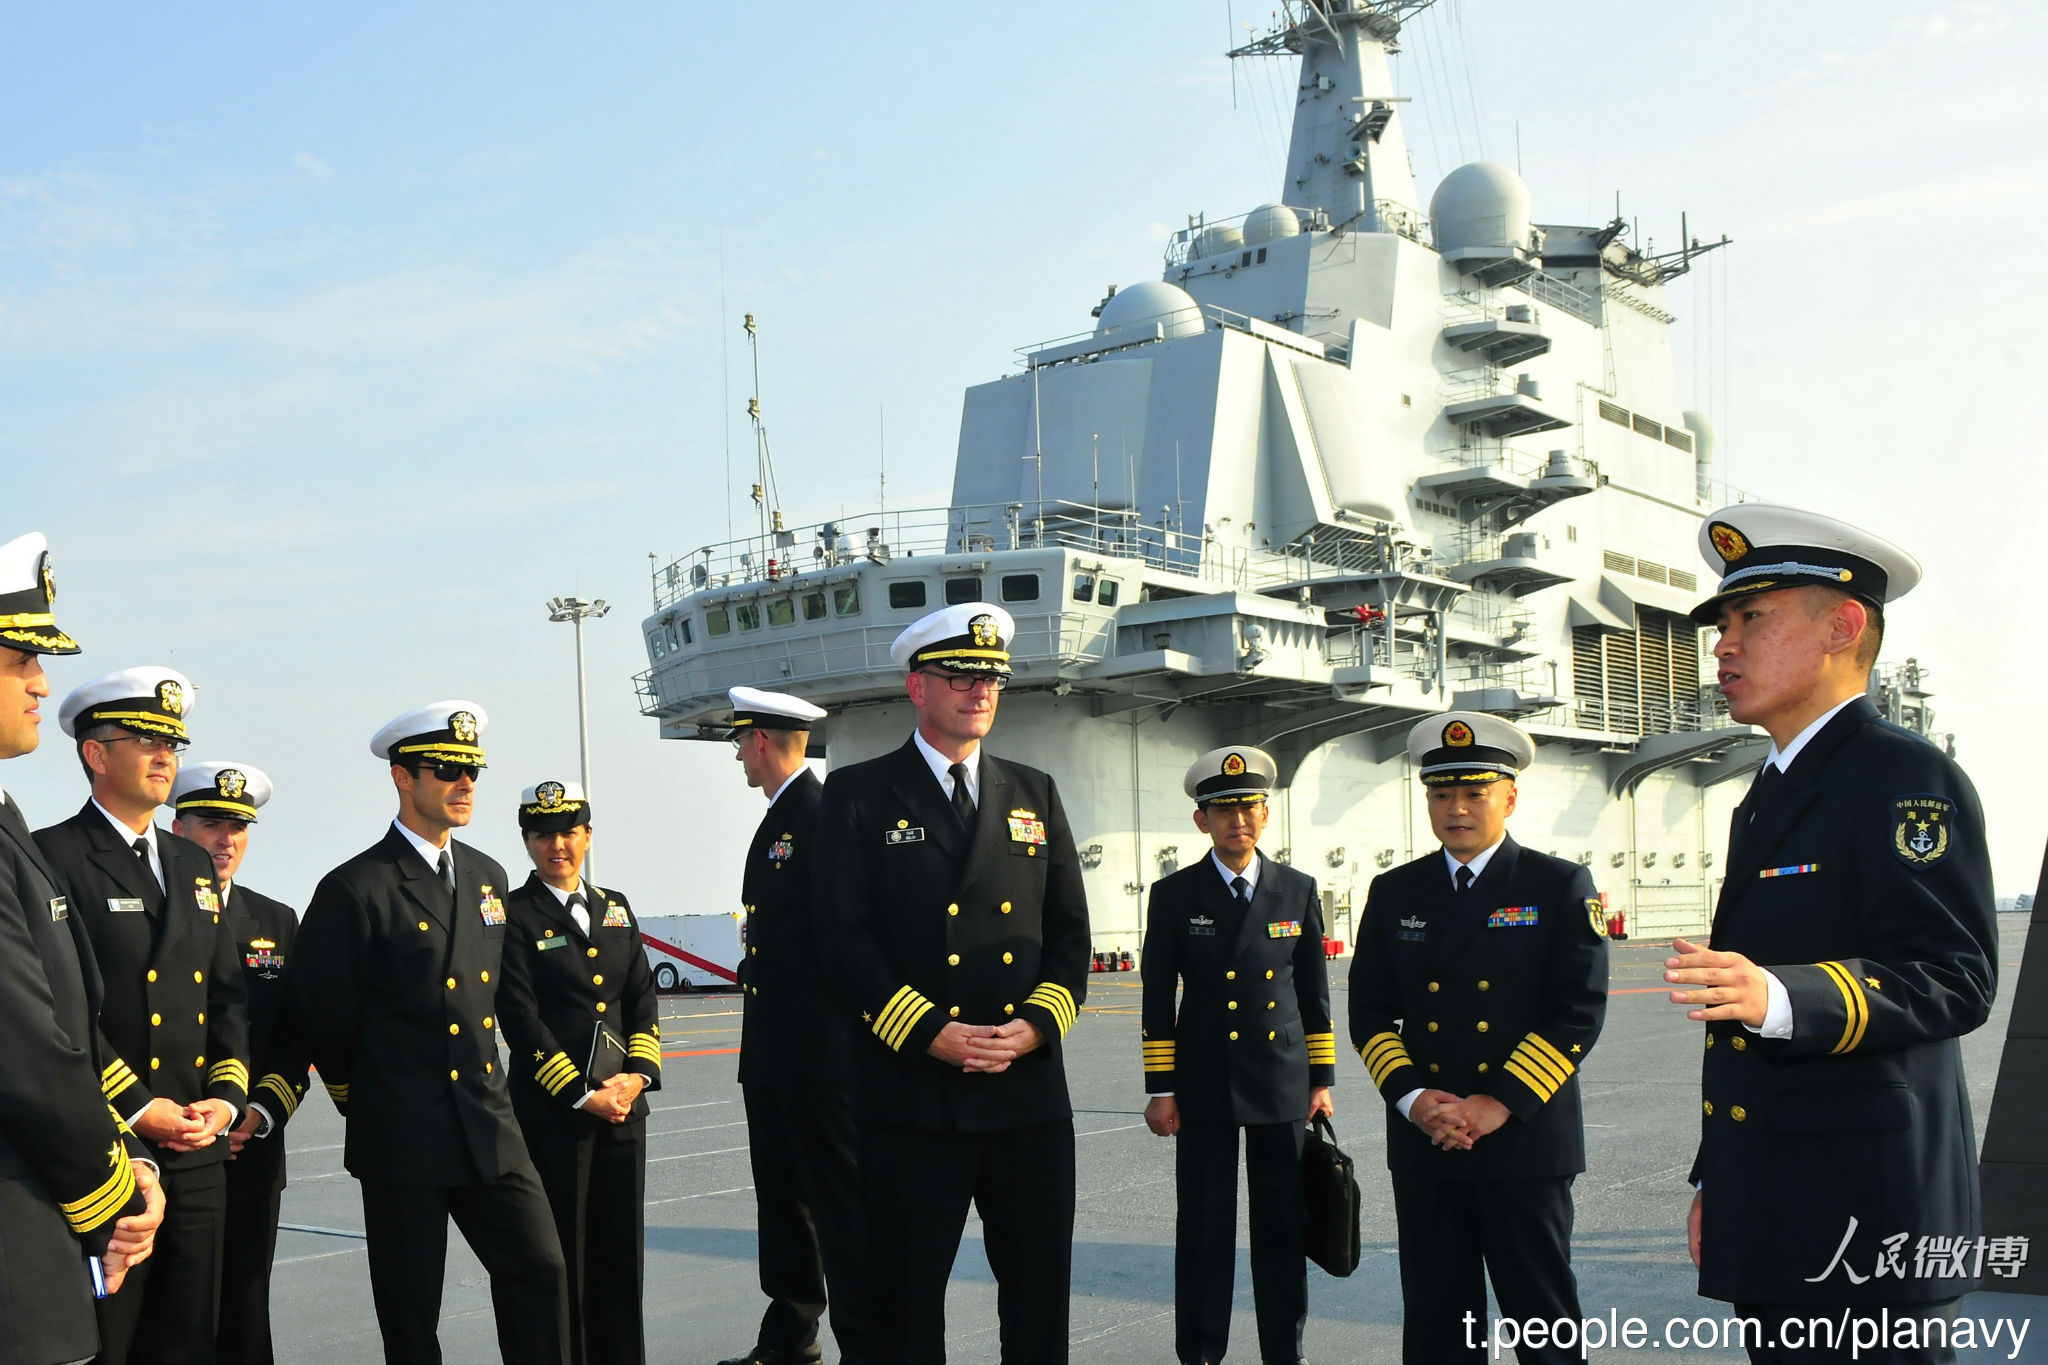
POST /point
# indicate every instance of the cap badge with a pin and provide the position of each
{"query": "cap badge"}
(1233, 765)
(49, 579)
(983, 631)
(464, 726)
(1458, 734)
(171, 697)
(1729, 543)
(549, 793)
(230, 783)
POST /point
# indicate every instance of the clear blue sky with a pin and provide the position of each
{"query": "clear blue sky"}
(335, 339)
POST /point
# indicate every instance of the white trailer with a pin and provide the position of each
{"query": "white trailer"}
(693, 952)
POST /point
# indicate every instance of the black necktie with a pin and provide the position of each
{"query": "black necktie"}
(1241, 889)
(141, 847)
(963, 800)
(1464, 878)
(575, 903)
(448, 871)
(1766, 782)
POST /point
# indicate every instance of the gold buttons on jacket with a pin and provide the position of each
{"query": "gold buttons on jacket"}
(1738, 1113)
(1006, 907)
(1006, 959)
(1233, 1035)
(1740, 1043)
(952, 959)
(1708, 1106)
(953, 909)
(455, 1028)
(1230, 976)
(487, 1068)
(152, 973)
(202, 1016)
(156, 1021)
(1432, 1026)
(1486, 985)
(1710, 1040)
(751, 952)
(1484, 1068)
(1269, 973)
(1009, 1009)
(592, 952)
(1483, 1026)
(1271, 1036)
(597, 979)
(1434, 987)
(199, 1061)
(487, 1021)
(451, 983)
(1434, 1068)
(155, 1062)
(1233, 1004)
(600, 1004)
(455, 1075)
(954, 1012)
(484, 975)
(423, 926)
(198, 977)
(1272, 1004)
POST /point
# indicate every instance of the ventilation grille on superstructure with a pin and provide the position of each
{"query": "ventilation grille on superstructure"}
(1640, 682)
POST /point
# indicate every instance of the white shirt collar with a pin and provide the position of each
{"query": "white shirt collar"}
(1478, 863)
(1784, 757)
(562, 897)
(425, 849)
(940, 764)
(801, 769)
(128, 836)
(1250, 873)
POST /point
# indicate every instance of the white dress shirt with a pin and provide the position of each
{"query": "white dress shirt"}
(129, 836)
(939, 765)
(426, 850)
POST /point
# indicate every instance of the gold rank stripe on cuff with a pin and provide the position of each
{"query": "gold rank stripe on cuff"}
(1159, 1055)
(1540, 1066)
(899, 1017)
(120, 1122)
(1322, 1049)
(645, 1047)
(1056, 1000)
(279, 1089)
(556, 1072)
(103, 1203)
(115, 1078)
(337, 1093)
(1856, 1003)
(233, 1072)
(1384, 1054)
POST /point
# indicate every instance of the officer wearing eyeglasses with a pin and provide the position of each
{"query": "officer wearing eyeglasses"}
(951, 908)
(394, 998)
(174, 1012)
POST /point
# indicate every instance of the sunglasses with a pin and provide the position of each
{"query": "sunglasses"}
(451, 772)
(966, 682)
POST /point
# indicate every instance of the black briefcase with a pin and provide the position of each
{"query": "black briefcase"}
(1329, 1189)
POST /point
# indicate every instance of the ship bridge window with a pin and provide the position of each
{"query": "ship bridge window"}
(747, 616)
(1106, 593)
(1020, 587)
(656, 645)
(959, 590)
(906, 592)
(846, 600)
(716, 622)
(814, 606)
(675, 644)
(1084, 587)
(781, 611)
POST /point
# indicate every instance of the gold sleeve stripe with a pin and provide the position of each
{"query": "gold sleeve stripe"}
(103, 1203)
(120, 1122)
(1056, 1000)
(1548, 1052)
(281, 1090)
(1384, 1054)
(1542, 1086)
(337, 1093)
(1858, 1005)
(556, 1072)
(1322, 1049)
(116, 1078)
(232, 1072)
(1159, 1056)
(900, 1016)
(645, 1047)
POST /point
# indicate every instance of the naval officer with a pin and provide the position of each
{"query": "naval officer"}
(795, 1052)
(952, 914)
(1853, 944)
(583, 1024)
(1478, 987)
(216, 802)
(1251, 1046)
(394, 992)
(69, 1170)
(174, 1013)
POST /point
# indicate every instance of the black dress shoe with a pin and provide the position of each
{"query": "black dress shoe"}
(810, 1355)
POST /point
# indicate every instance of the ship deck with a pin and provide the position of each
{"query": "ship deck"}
(1641, 1096)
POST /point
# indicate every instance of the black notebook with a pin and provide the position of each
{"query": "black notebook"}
(607, 1056)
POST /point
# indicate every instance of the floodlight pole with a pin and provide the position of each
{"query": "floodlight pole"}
(574, 610)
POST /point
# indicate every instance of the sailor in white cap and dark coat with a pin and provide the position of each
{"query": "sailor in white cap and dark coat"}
(71, 1191)
(583, 1023)
(1478, 987)
(175, 1007)
(1853, 945)
(216, 803)
(394, 994)
(1250, 1045)
(955, 925)
(795, 1053)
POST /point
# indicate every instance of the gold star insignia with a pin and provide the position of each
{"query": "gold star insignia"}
(866, 1018)
(539, 1056)
(1575, 1048)
(1871, 982)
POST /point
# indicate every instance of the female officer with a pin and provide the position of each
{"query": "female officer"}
(580, 1013)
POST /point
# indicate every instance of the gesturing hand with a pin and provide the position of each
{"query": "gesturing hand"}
(1732, 987)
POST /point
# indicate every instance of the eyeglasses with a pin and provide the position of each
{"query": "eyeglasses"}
(967, 682)
(451, 772)
(738, 738)
(151, 744)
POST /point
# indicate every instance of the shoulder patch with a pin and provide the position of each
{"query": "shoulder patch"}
(1921, 828)
(1597, 913)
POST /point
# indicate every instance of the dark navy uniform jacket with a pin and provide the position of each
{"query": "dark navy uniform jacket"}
(262, 931)
(920, 922)
(560, 984)
(792, 1028)
(175, 1014)
(1500, 990)
(64, 1173)
(1864, 884)
(393, 997)
(1252, 1032)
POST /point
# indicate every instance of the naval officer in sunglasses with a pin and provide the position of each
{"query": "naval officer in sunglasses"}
(394, 999)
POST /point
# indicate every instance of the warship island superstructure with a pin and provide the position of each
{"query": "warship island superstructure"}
(1348, 463)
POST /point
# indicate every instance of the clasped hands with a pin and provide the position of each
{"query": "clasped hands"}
(1453, 1122)
(183, 1127)
(986, 1048)
(613, 1101)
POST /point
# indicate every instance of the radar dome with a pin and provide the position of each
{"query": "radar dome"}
(1270, 222)
(1152, 301)
(1481, 204)
(1215, 241)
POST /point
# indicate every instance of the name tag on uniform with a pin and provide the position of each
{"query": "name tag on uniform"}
(1796, 870)
(124, 905)
(491, 908)
(1285, 928)
(615, 917)
(1514, 917)
(59, 908)
(913, 835)
(1202, 924)
(543, 944)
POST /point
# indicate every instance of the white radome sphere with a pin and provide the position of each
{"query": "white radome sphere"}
(1217, 241)
(1480, 204)
(1152, 301)
(1269, 223)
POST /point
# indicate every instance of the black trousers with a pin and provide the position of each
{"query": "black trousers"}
(801, 1141)
(1819, 1334)
(1205, 1238)
(1453, 1234)
(917, 1184)
(254, 1192)
(595, 1174)
(166, 1310)
(507, 1224)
